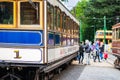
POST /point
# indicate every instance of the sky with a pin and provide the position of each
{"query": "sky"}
(70, 4)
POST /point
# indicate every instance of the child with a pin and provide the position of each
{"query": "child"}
(105, 55)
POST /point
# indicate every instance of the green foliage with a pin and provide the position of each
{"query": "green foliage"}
(92, 12)
(101, 8)
(79, 13)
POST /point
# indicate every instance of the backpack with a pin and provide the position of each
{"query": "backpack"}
(81, 48)
(87, 49)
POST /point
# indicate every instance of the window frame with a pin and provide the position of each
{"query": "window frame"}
(14, 16)
(33, 26)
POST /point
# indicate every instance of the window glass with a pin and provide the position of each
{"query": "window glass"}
(69, 26)
(110, 34)
(68, 41)
(64, 40)
(51, 39)
(57, 39)
(55, 18)
(72, 41)
(58, 19)
(29, 13)
(50, 16)
(6, 12)
(64, 22)
(101, 33)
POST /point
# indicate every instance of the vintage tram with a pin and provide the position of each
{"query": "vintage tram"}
(116, 44)
(100, 36)
(36, 38)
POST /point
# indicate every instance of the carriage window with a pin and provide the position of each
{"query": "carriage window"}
(55, 18)
(63, 40)
(29, 13)
(63, 23)
(101, 33)
(50, 16)
(58, 19)
(51, 39)
(68, 41)
(69, 26)
(57, 39)
(6, 13)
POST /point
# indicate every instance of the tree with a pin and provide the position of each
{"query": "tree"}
(101, 8)
(92, 12)
(78, 12)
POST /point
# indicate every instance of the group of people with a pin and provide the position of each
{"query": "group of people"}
(94, 51)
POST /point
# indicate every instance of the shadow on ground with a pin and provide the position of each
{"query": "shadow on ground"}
(72, 70)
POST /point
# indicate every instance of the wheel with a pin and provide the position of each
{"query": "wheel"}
(116, 63)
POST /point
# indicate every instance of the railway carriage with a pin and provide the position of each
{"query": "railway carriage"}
(116, 44)
(36, 38)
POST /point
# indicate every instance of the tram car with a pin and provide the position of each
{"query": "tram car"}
(100, 36)
(36, 38)
(116, 44)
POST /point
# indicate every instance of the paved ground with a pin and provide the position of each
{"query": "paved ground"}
(96, 71)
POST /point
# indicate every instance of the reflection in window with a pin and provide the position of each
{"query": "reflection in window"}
(29, 14)
(63, 40)
(51, 39)
(75, 40)
(6, 12)
(68, 41)
(72, 41)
